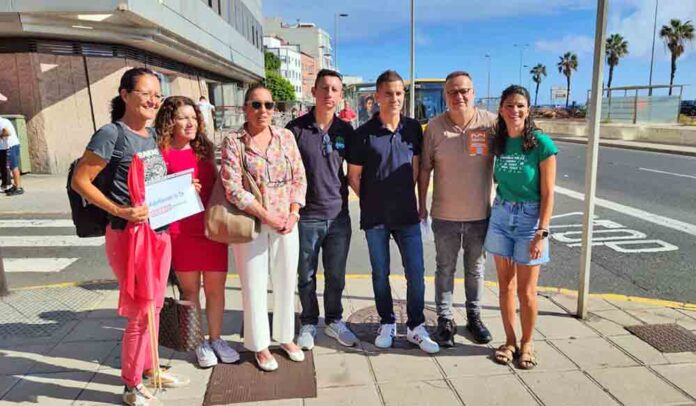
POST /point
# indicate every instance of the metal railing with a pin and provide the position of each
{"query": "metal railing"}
(638, 104)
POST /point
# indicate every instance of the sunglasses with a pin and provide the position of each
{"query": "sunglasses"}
(326, 146)
(256, 105)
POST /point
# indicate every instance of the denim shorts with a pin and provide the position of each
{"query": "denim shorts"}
(511, 230)
(13, 157)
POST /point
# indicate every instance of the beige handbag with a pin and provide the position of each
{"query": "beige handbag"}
(225, 222)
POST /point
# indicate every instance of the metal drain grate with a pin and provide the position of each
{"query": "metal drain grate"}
(665, 337)
(365, 323)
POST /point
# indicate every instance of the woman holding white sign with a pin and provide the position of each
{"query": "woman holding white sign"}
(115, 145)
(182, 139)
(272, 158)
(518, 229)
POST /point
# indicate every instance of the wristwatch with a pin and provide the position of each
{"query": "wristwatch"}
(544, 233)
(296, 214)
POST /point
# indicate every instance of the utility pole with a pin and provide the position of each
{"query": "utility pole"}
(652, 55)
(521, 47)
(412, 92)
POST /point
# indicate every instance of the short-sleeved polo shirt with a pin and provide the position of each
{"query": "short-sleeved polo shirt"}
(327, 186)
(387, 190)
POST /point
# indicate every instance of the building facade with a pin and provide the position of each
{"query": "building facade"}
(61, 61)
(309, 76)
(290, 61)
(311, 39)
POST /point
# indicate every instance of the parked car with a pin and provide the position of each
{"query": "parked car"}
(688, 107)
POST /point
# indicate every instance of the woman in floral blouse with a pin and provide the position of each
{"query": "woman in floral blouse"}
(272, 158)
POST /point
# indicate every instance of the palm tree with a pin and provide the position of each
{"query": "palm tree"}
(616, 49)
(675, 36)
(567, 64)
(537, 72)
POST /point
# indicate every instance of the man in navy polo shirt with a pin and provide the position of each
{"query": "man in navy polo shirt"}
(383, 168)
(324, 222)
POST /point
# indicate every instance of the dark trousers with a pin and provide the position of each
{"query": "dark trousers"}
(4, 171)
(410, 244)
(332, 238)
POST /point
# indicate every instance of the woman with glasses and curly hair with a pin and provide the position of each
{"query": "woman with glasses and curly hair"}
(525, 171)
(272, 158)
(184, 145)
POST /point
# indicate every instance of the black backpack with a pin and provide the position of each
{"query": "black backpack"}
(90, 220)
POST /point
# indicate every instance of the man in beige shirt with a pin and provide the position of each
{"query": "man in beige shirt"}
(457, 147)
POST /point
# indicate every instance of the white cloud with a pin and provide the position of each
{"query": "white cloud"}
(579, 44)
(634, 20)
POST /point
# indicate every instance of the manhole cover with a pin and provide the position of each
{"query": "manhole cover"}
(365, 323)
(666, 337)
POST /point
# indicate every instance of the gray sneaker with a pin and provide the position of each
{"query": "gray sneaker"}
(305, 339)
(341, 333)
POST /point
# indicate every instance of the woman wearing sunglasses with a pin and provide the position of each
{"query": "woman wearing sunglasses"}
(272, 158)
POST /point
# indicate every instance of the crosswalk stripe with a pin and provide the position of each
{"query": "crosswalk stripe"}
(36, 223)
(50, 241)
(37, 264)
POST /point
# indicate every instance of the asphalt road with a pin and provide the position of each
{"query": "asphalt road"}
(645, 225)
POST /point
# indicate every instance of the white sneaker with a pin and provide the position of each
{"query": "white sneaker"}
(205, 355)
(139, 396)
(223, 351)
(385, 339)
(420, 337)
(306, 337)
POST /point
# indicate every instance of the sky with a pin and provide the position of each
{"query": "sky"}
(457, 34)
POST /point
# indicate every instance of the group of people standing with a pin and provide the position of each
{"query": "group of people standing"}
(303, 210)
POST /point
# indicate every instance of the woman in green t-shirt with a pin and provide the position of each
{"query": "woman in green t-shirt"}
(525, 173)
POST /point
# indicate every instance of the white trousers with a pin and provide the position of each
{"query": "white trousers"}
(277, 255)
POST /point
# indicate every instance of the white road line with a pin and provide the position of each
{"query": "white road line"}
(37, 264)
(50, 241)
(637, 213)
(667, 173)
(36, 223)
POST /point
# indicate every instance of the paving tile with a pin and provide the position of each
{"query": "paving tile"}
(563, 327)
(49, 389)
(664, 315)
(105, 388)
(6, 382)
(493, 390)
(568, 388)
(342, 369)
(637, 386)
(682, 375)
(469, 359)
(345, 396)
(549, 307)
(429, 393)
(549, 359)
(631, 305)
(590, 353)
(570, 302)
(403, 365)
(638, 348)
(611, 322)
(78, 356)
(18, 360)
(97, 330)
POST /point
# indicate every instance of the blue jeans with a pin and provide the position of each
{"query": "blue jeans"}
(332, 237)
(450, 238)
(408, 239)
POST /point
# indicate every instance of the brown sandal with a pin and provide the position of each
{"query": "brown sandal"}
(527, 359)
(505, 354)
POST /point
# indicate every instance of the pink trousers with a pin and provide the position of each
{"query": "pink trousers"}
(135, 345)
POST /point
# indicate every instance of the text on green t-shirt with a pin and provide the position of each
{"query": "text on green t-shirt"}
(517, 173)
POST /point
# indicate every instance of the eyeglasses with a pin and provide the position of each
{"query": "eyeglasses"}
(148, 96)
(287, 175)
(256, 105)
(463, 92)
(326, 146)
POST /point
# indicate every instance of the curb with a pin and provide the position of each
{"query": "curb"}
(490, 284)
(606, 143)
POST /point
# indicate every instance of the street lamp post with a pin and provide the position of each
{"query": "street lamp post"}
(521, 47)
(652, 55)
(412, 93)
(336, 16)
(529, 79)
(488, 88)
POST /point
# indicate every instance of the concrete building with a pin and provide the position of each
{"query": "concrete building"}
(61, 61)
(309, 75)
(290, 61)
(311, 39)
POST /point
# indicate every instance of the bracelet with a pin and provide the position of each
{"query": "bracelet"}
(296, 214)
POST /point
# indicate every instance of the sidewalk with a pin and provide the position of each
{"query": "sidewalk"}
(636, 145)
(61, 346)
